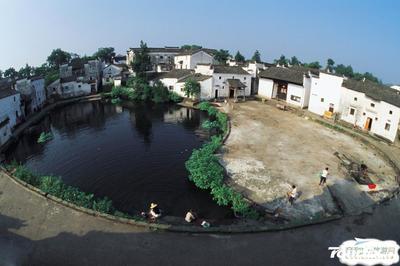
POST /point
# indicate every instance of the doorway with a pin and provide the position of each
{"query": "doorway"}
(216, 94)
(231, 93)
(282, 91)
(368, 124)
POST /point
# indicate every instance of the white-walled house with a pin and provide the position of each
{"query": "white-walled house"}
(205, 85)
(111, 72)
(396, 87)
(68, 88)
(284, 84)
(190, 58)
(10, 115)
(162, 59)
(169, 79)
(33, 93)
(227, 81)
(372, 107)
(325, 95)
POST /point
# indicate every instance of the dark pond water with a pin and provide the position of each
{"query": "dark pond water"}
(134, 154)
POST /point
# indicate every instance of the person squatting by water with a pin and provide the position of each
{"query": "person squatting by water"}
(154, 212)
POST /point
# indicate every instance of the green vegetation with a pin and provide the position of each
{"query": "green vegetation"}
(44, 137)
(191, 47)
(206, 172)
(221, 56)
(54, 186)
(139, 90)
(239, 57)
(191, 88)
(104, 54)
(256, 56)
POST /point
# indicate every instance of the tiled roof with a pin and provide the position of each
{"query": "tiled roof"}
(196, 77)
(230, 70)
(159, 49)
(177, 73)
(193, 51)
(6, 92)
(374, 90)
(67, 79)
(235, 83)
(284, 74)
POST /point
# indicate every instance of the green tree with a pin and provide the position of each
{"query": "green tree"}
(294, 61)
(256, 56)
(221, 56)
(26, 71)
(105, 54)
(282, 61)
(315, 65)
(191, 88)
(1, 74)
(58, 57)
(41, 70)
(239, 57)
(344, 70)
(330, 65)
(10, 73)
(160, 93)
(191, 47)
(141, 61)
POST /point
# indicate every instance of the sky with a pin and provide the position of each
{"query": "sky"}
(362, 33)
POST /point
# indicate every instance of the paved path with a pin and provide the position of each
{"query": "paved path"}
(36, 231)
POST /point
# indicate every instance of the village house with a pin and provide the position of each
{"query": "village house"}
(325, 93)
(119, 59)
(162, 59)
(254, 68)
(286, 84)
(33, 94)
(396, 87)
(10, 106)
(68, 87)
(227, 81)
(114, 75)
(190, 58)
(370, 106)
(87, 71)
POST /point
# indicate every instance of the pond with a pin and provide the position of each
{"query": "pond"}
(134, 154)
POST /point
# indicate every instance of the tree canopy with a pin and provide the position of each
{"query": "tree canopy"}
(141, 61)
(10, 73)
(221, 56)
(191, 47)
(294, 61)
(239, 57)
(105, 54)
(282, 61)
(256, 56)
(58, 57)
(315, 65)
(191, 88)
(26, 71)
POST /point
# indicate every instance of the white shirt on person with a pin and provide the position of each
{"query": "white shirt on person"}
(325, 173)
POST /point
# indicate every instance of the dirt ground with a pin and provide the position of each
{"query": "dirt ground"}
(268, 150)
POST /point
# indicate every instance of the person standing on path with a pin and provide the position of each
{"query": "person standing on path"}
(324, 175)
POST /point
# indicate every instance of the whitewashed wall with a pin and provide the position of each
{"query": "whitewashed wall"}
(74, 89)
(10, 107)
(265, 87)
(220, 84)
(325, 90)
(381, 113)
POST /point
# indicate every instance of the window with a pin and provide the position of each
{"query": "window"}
(295, 98)
(108, 79)
(390, 112)
(322, 100)
(14, 98)
(79, 86)
(387, 127)
(219, 78)
(372, 105)
(352, 111)
(161, 57)
(244, 78)
(223, 87)
(376, 118)
(171, 88)
(233, 77)
(363, 113)
(355, 99)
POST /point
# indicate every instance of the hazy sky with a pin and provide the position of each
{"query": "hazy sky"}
(363, 33)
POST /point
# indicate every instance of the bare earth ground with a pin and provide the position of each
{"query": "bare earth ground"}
(268, 150)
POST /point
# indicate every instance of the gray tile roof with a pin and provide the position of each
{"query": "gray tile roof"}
(230, 70)
(235, 83)
(6, 92)
(196, 77)
(177, 73)
(193, 51)
(284, 74)
(159, 49)
(374, 90)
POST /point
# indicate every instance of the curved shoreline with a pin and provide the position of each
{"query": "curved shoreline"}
(241, 227)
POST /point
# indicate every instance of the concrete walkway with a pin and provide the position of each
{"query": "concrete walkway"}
(36, 231)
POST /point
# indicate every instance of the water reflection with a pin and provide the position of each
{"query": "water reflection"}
(133, 154)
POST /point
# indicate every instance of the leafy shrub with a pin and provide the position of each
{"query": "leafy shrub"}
(209, 125)
(24, 174)
(52, 185)
(222, 194)
(103, 205)
(174, 97)
(160, 93)
(203, 106)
